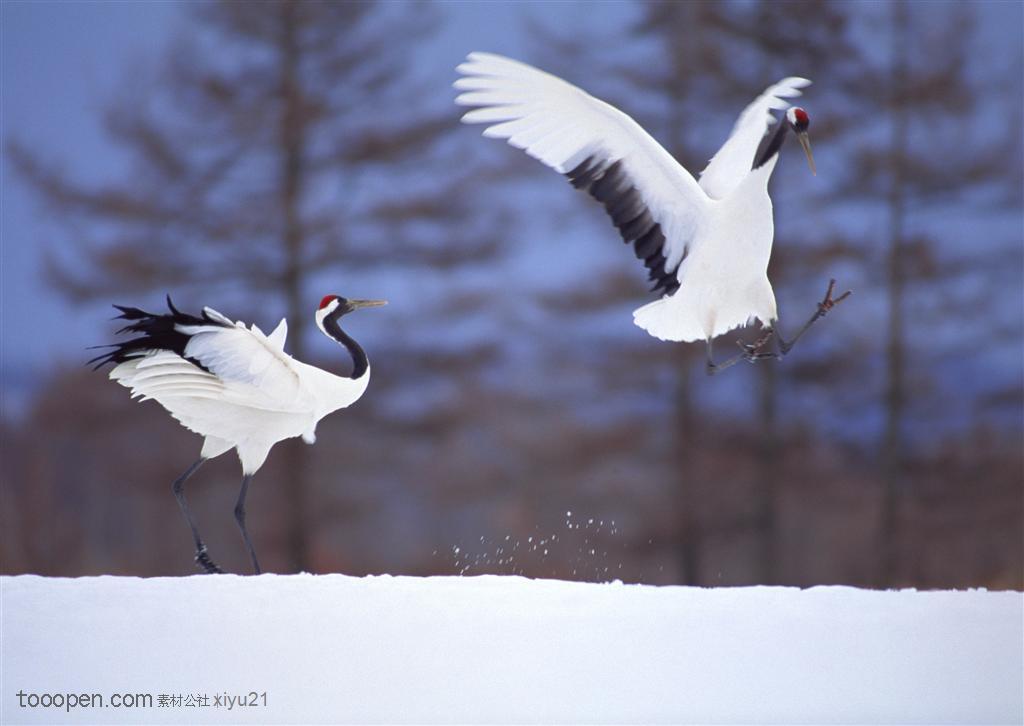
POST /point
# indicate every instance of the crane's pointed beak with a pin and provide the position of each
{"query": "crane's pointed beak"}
(356, 304)
(805, 142)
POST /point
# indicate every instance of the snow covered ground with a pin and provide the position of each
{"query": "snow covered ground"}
(501, 649)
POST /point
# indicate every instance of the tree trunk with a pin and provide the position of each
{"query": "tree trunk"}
(292, 143)
(687, 490)
(895, 389)
(767, 473)
(688, 485)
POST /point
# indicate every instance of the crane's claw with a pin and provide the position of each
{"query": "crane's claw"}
(204, 561)
(829, 302)
(751, 351)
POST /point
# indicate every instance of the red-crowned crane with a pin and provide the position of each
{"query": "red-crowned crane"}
(234, 385)
(706, 243)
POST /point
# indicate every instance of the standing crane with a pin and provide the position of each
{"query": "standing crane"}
(707, 243)
(235, 386)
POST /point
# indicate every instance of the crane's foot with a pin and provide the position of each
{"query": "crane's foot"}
(204, 561)
(826, 305)
(752, 351)
(829, 302)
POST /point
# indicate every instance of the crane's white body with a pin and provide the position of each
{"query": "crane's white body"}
(717, 233)
(251, 395)
(722, 286)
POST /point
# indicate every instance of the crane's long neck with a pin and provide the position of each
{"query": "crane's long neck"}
(770, 144)
(359, 362)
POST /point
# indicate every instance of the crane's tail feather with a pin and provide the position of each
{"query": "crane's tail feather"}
(669, 319)
(212, 446)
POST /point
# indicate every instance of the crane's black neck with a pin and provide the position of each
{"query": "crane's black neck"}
(359, 361)
(770, 144)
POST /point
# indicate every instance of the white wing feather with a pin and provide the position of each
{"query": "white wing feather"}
(561, 125)
(733, 161)
(253, 368)
(277, 338)
(164, 374)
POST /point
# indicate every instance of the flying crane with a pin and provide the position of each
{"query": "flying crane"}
(706, 244)
(235, 386)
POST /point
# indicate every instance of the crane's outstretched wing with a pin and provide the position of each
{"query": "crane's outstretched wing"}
(177, 356)
(254, 368)
(734, 160)
(163, 374)
(655, 203)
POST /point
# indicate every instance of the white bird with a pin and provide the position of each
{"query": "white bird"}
(706, 243)
(234, 385)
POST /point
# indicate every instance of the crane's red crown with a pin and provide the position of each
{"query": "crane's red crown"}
(801, 116)
(327, 300)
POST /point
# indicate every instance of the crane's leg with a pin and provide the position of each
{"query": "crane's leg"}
(202, 559)
(752, 352)
(748, 353)
(823, 308)
(240, 518)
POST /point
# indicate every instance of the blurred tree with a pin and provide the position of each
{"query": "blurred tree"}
(780, 39)
(264, 155)
(693, 63)
(70, 507)
(924, 149)
(717, 56)
(706, 61)
(667, 98)
(497, 435)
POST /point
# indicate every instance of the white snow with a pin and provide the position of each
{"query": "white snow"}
(507, 649)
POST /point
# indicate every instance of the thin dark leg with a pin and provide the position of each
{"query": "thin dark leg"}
(752, 352)
(823, 308)
(240, 518)
(202, 559)
(747, 353)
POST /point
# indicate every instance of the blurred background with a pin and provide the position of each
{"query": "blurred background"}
(256, 156)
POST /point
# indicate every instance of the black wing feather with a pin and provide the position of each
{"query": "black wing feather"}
(156, 332)
(610, 184)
